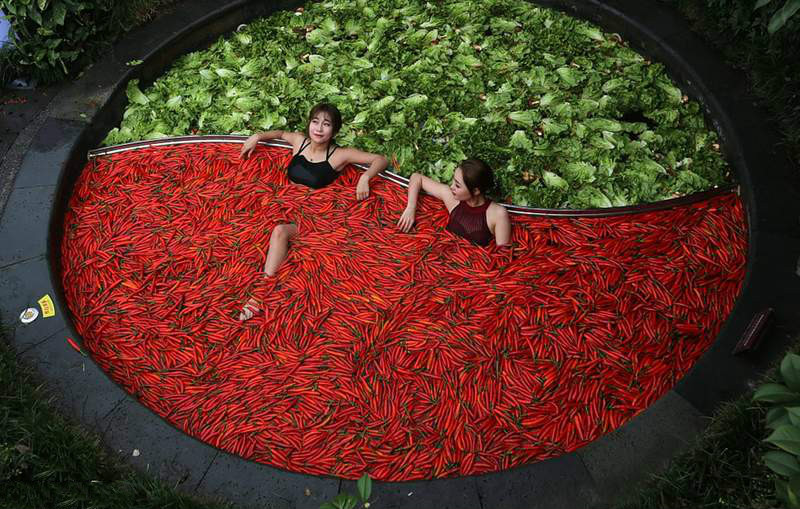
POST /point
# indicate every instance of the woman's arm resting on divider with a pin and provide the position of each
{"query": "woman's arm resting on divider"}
(430, 186)
(252, 142)
(375, 163)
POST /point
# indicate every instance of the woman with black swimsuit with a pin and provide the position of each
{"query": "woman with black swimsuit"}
(315, 163)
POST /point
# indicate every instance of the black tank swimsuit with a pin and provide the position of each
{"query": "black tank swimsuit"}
(314, 175)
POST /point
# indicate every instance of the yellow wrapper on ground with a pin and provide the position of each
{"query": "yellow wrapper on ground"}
(48, 309)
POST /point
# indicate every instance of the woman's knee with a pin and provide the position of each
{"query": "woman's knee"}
(281, 233)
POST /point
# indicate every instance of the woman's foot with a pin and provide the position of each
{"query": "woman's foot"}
(249, 310)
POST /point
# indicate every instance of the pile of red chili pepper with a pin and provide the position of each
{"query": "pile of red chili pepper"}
(404, 355)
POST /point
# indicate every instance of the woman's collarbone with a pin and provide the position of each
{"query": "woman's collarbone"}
(318, 158)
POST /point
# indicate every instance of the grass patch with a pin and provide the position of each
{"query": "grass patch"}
(723, 469)
(47, 461)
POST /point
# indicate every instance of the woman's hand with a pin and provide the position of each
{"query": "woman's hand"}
(362, 189)
(376, 164)
(407, 220)
(249, 145)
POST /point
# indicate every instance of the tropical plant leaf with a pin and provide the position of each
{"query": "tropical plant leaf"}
(782, 490)
(364, 486)
(790, 371)
(786, 437)
(775, 393)
(782, 463)
(783, 14)
(793, 492)
(777, 417)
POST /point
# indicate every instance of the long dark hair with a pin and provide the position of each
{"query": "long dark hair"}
(477, 175)
(330, 110)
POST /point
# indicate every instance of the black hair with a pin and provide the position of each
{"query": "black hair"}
(477, 175)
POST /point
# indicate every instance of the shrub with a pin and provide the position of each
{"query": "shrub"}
(783, 418)
(53, 38)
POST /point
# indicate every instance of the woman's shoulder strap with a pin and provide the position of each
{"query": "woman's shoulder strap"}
(306, 142)
(329, 152)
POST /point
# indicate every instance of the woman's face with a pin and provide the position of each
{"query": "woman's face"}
(320, 129)
(457, 187)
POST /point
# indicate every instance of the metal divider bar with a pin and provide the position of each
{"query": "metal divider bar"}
(403, 181)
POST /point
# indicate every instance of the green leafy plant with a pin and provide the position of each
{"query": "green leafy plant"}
(52, 38)
(783, 418)
(568, 115)
(348, 501)
(782, 15)
(49, 35)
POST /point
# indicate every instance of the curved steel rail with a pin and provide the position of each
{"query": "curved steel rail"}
(398, 179)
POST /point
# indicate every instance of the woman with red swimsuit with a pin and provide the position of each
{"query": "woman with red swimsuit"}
(472, 215)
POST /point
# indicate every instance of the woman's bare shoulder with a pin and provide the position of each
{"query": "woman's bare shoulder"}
(497, 210)
(293, 137)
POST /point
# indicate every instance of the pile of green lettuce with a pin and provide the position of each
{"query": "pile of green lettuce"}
(568, 115)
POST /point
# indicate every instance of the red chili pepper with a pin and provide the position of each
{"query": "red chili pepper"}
(407, 356)
(75, 346)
